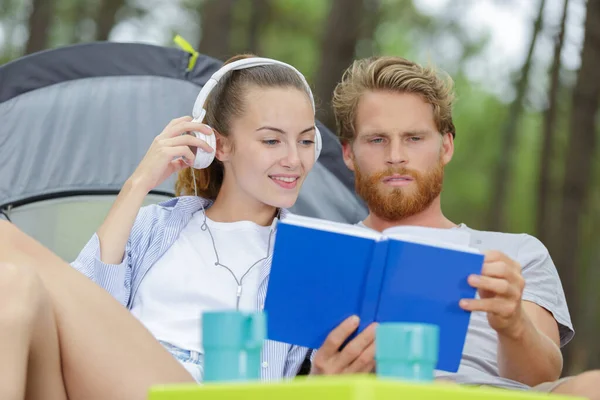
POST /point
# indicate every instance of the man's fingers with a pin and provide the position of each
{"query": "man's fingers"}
(509, 272)
(357, 346)
(498, 269)
(501, 307)
(494, 255)
(365, 362)
(338, 336)
(499, 286)
(484, 305)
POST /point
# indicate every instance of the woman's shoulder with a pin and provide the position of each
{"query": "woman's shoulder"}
(181, 207)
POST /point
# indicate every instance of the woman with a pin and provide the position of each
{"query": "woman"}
(167, 263)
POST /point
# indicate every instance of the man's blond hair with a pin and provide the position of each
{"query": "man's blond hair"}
(391, 74)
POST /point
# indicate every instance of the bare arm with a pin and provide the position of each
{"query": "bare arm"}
(160, 162)
(114, 231)
(528, 339)
(531, 356)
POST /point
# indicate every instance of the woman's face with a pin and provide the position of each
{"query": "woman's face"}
(271, 148)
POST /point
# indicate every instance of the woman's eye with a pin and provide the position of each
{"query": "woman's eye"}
(270, 142)
(307, 142)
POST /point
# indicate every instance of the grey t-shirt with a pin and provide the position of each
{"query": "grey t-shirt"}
(479, 365)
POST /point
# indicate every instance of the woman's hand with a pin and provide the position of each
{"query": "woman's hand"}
(170, 152)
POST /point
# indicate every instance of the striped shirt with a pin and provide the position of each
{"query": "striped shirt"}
(155, 229)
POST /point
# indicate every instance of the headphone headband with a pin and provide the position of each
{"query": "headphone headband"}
(199, 112)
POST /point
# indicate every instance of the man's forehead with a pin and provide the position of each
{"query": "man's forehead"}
(384, 117)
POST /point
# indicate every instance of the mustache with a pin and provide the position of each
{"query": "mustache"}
(395, 171)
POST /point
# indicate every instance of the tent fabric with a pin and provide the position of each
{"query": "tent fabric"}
(76, 121)
(49, 67)
(71, 144)
(65, 224)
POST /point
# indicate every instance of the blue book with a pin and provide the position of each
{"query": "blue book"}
(323, 272)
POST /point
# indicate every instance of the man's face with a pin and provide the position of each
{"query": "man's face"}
(398, 155)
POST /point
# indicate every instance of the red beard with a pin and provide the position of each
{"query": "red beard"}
(394, 204)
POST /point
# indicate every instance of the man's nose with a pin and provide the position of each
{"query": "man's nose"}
(396, 153)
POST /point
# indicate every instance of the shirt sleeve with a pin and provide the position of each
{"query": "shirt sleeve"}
(294, 361)
(116, 278)
(543, 285)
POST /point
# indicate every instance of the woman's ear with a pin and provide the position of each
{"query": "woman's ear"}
(224, 147)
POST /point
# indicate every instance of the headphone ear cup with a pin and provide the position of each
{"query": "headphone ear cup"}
(318, 143)
(204, 159)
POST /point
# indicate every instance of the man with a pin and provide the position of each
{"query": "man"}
(395, 124)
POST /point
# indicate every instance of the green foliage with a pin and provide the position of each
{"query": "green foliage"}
(478, 118)
(293, 33)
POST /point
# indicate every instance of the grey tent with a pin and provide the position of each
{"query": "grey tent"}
(75, 122)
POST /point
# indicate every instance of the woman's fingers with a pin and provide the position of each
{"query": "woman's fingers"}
(176, 121)
(186, 126)
(188, 140)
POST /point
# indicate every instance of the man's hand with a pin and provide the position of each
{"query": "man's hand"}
(500, 287)
(358, 356)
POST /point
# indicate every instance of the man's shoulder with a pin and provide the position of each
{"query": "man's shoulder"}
(514, 244)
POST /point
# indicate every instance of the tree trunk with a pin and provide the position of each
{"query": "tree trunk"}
(545, 218)
(367, 43)
(80, 14)
(503, 172)
(9, 26)
(337, 52)
(40, 22)
(590, 314)
(260, 14)
(578, 170)
(107, 17)
(217, 16)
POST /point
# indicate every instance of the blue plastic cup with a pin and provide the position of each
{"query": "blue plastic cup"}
(232, 343)
(406, 351)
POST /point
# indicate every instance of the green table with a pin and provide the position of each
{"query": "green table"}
(348, 387)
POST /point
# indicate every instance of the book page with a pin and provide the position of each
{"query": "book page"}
(331, 226)
(445, 238)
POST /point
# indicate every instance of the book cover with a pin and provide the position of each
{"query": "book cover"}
(323, 272)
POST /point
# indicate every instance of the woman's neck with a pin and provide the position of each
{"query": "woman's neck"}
(232, 209)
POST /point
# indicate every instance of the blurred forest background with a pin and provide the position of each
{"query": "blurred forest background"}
(527, 75)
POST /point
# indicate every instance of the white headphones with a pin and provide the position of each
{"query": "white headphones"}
(204, 159)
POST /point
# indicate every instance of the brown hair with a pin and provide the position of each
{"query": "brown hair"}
(391, 74)
(225, 103)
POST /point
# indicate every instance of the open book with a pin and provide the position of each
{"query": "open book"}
(324, 272)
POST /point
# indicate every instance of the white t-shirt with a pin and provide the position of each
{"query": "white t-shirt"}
(185, 281)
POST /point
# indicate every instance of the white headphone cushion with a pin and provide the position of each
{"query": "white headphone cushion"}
(204, 159)
(318, 143)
